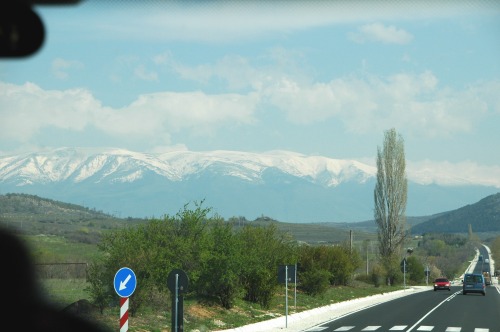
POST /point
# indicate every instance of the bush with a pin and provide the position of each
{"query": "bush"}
(378, 275)
(315, 282)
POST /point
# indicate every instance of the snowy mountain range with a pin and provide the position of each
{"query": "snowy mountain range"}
(283, 185)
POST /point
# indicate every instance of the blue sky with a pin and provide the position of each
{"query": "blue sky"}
(318, 77)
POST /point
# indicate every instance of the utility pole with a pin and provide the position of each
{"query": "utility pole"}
(350, 241)
(367, 260)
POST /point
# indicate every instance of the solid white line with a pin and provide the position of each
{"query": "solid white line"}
(427, 314)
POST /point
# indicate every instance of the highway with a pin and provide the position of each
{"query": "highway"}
(437, 311)
(426, 311)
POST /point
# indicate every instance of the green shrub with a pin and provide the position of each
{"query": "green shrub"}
(315, 282)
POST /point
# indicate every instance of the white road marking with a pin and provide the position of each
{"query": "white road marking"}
(394, 328)
(427, 314)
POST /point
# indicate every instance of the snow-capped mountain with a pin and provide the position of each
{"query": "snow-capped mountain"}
(283, 185)
(116, 165)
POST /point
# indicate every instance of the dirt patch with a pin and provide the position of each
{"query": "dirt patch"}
(200, 311)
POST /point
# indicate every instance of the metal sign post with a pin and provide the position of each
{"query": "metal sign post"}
(287, 273)
(286, 296)
(295, 290)
(177, 282)
(404, 269)
(427, 273)
(404, 273)
(176, 301)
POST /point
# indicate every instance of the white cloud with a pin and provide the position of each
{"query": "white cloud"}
(209, 21)
(142, 73)
(414, 103)
(61, 67)
(27, 109)
(236, 71)
(445, 173)
(173, 112)
(377, 32)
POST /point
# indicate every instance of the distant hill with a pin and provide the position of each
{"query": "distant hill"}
(483, 216)
(34, 215)
(44, 208)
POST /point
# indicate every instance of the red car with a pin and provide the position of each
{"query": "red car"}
(442, 283)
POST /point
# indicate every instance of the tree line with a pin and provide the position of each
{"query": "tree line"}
(223, 262)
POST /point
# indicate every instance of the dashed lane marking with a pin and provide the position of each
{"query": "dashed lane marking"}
(394, 328)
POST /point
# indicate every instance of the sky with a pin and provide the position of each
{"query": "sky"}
(315, 77)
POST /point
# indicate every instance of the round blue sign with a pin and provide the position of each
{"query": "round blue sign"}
(125, 282)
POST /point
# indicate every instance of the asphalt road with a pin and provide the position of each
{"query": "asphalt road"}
(425, 311)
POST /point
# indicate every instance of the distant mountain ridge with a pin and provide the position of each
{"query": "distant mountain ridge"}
(284, 185)
(117, 165)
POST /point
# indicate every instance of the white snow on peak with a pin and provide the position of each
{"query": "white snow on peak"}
(79, 164)
(120, 165)
(188, 162)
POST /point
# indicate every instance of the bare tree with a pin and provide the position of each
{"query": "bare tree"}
(390, 199)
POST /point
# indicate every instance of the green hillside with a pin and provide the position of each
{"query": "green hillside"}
(35, 215)
(483, 217)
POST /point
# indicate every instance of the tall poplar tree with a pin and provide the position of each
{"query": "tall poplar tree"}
(390, 200)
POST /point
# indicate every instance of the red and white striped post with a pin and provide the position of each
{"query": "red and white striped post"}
(123, 314)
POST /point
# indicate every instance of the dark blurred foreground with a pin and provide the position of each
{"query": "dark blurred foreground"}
(23, 306)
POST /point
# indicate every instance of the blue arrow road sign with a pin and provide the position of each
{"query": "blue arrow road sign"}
(125, 282)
